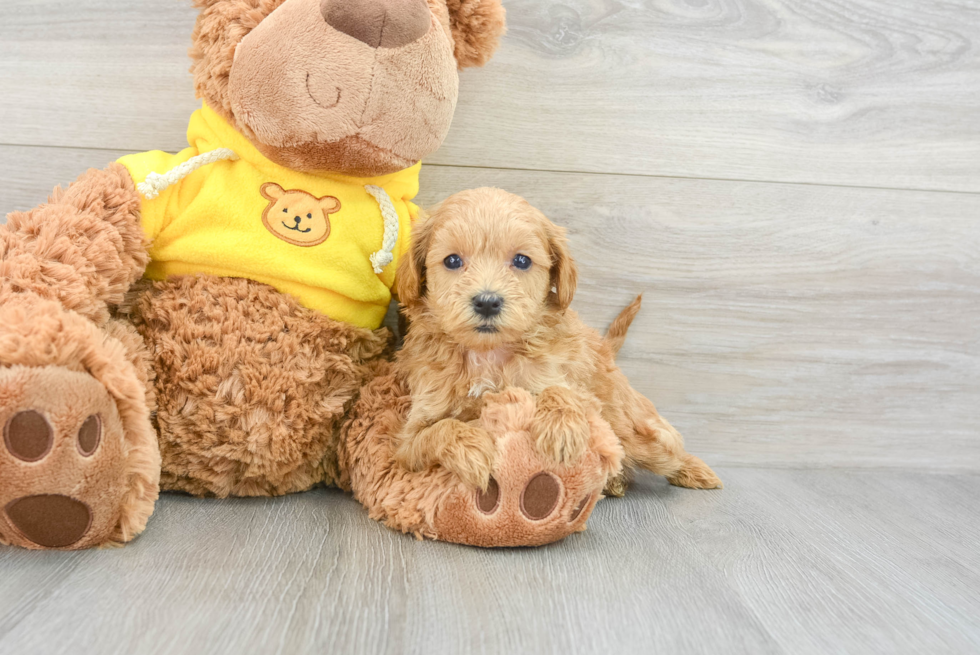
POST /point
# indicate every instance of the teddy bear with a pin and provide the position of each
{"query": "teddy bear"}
(205, 322)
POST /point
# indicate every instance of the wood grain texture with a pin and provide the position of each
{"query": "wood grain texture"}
(866, 92)
(779, 562)
(787, 325)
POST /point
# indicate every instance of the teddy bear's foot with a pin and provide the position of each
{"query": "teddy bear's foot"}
(530, 501)
(79, 463)
(61, 468)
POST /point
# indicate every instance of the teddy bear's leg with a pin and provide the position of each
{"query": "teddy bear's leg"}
(530, 500)
(79, 463)
(251, 386)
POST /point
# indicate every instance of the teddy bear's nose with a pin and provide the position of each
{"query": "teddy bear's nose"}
(378, 23)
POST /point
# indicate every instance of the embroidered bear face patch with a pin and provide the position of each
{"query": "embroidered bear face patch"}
(297, 217)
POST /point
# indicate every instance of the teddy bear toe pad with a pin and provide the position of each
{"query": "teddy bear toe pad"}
(527, 503)
(61, 460)
(539, 499)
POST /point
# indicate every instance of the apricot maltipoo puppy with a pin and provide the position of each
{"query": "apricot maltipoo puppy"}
(486, 287)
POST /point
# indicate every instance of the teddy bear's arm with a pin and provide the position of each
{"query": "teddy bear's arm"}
(83, 248)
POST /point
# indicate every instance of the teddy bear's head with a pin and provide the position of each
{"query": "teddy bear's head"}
(362, 87)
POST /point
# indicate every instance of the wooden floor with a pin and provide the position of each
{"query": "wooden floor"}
(794, 186)
(781, 561)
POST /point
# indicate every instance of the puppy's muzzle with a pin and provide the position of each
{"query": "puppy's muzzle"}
(487, 304)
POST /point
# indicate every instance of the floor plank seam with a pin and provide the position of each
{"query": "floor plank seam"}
(597, 173)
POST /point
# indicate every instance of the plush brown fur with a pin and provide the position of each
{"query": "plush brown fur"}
(453, 355)
(261, 65)
(251, 386)
(83, 248)
(434, 503)
(476, 27)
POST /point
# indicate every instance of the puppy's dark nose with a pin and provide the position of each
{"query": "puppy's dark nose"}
(378, 23)
(487, 304)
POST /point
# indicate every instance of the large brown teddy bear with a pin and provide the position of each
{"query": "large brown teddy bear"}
(203, 322)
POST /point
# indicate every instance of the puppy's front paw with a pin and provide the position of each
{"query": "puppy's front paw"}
(561, 427)
(470, 455)
(466, 450)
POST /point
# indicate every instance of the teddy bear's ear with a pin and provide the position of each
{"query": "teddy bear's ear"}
(477, 26)
(220, 27)
(272, 191)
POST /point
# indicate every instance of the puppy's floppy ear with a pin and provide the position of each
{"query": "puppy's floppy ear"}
(564, 273)
(410, 278)
(477, 26)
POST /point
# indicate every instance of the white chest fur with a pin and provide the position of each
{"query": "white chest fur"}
(486, 369)
(495, 370)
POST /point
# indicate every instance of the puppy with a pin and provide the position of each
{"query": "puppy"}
(486, 288)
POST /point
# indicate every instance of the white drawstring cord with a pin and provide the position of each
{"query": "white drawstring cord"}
(384, 256)
(155, 182)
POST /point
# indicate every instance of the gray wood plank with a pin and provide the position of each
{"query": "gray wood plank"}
(777, 562)
(868, 92)
(788, 325)
(826, 559)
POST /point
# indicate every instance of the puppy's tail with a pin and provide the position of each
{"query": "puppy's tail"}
(617, 331)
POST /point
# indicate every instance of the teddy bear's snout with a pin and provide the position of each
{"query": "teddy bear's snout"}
(378, 23)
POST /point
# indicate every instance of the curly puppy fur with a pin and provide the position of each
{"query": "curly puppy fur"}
(453, 354)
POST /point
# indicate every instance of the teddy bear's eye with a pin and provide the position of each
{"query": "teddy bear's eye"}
(309, 215)
(285, 210)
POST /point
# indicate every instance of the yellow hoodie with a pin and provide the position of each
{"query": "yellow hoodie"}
(323, 238)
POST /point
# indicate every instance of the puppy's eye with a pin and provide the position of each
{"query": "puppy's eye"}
(522, 262)
(309, 215)
(285, 210)
(452, 262)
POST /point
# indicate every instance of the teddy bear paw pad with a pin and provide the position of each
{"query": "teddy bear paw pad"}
(61, 459)
(525, 507)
